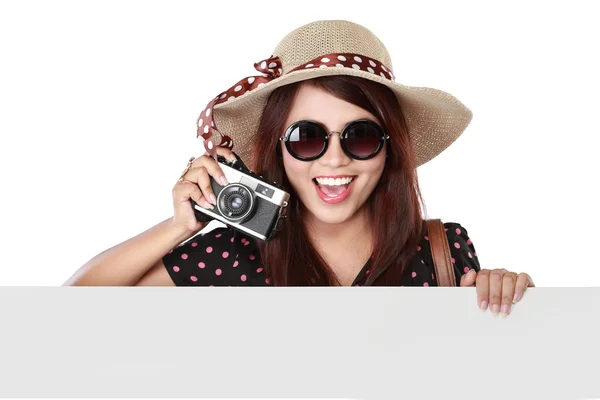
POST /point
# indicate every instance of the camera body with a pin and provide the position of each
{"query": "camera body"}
(247, 203)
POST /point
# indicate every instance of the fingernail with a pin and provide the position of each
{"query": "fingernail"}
(213, 199)
(223, 180)
(208, 205)
(516, 298)
(505, 310)
(495, 309)
(484, 305)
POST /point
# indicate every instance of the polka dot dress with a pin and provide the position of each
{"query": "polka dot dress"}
(224, 257)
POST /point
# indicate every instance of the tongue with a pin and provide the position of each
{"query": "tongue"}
(333, 191)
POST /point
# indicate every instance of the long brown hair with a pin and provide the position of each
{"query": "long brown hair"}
(289, 258)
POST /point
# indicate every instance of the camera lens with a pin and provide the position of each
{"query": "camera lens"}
(235, 202)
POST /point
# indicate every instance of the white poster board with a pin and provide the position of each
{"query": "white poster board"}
(359, 343)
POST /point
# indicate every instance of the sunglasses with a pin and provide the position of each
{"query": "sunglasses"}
(308, 140)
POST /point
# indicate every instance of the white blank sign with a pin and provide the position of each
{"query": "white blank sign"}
(359, 343)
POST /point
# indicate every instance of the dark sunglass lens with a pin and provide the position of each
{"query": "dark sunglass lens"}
(362, 139)
(306, 140)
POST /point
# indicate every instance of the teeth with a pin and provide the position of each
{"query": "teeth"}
(334, 182)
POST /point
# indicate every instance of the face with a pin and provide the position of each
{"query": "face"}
(332, 204)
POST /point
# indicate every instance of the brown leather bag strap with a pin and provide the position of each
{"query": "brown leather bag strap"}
(440, 252)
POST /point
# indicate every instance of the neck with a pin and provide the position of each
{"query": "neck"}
(354, 234)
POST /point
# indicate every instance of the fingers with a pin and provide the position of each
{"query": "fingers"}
(195, 185)
(210, 166)
(501, 289)
(523, 282)
(468, 279)
(183, 191)
(483, 288)
(226, 152)
(495, 291)
(508, 291)
(200, 173)
(200, 176)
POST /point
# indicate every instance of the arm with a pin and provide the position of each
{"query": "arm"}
(139, 257)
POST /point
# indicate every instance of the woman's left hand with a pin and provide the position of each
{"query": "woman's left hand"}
(498, 288)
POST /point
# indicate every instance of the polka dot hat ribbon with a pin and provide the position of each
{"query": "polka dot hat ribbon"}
(272, 67)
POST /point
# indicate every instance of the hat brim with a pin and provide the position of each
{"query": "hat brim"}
(435, 119)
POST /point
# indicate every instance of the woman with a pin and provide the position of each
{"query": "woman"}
(330, 124)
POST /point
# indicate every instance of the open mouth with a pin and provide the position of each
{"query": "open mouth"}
(333, 189)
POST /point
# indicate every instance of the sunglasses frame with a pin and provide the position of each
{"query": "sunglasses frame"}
(383, 137)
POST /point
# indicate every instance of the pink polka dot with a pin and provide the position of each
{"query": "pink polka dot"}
(201, 265)
(184, 256)
(426, 237)
(170, 251)
(235, 264)
(422, 262)
(225, 254)
(432, 276)
(426, 284)
(194, 244)
(211, 285)
(209, 249)
(268, 281)
(237, 255)
(251, 257)
(218, 235)
(247, 243)
(194, 279)
(243, 278)
(414, 274)
(453, 260)
(457, 231)
(418, 248)
(446, 230)
(259, 270)
(467, 270)
(218, 271)
(475, 254)
(457, 245)
(231, 240)
(470, 255)
(469, 242)
(176, 269)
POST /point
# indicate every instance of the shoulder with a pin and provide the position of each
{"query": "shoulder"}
(462, 251)
(219, 257)
(457, 235)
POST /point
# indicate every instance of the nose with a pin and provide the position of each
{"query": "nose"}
(334, 157)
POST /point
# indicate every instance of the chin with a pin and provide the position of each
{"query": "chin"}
(330, 215)
(332, 218)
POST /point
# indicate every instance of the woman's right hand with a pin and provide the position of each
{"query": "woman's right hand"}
(195, 185)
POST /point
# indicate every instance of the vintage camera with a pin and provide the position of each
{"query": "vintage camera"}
(248, 203)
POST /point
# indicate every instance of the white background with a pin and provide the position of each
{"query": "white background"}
(99, 99)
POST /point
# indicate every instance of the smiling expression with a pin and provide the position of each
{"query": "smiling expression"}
(333, 187)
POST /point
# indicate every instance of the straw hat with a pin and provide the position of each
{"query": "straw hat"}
(333, 47)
